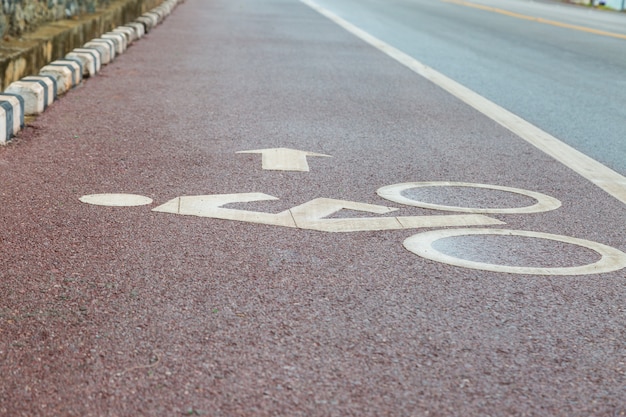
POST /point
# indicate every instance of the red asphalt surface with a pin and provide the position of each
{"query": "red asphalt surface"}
(122, 311)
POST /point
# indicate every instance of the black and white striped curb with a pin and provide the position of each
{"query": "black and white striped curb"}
(33, 94)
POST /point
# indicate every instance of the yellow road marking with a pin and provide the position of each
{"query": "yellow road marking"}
(536, 19)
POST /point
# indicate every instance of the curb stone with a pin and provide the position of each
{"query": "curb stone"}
(139, 28)
(107, 43)
(103, 51)
(31, 95)
(37, 93)
(64, 74)
(150, 20)
(49, 84)
(79, 62)
(119, 39)
(128, 32)
(13, 119)
(88, 60)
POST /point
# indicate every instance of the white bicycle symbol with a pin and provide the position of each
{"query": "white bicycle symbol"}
(313, 215)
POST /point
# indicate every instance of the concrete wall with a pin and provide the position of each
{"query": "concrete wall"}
(23, 16)
(20, 16)
(42, 41)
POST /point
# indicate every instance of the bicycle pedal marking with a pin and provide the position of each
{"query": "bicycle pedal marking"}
(312, 214)
(421, 244)
(395, 193)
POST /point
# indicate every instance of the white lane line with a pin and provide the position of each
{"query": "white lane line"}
(602, 176)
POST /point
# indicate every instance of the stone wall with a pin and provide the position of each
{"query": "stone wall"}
(21, 16)
(36, 41)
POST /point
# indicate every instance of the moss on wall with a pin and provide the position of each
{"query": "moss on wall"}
(18, 17)
(25, 54)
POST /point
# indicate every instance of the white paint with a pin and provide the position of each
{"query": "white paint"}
(88, 61)
(312, 215)
(17, 114)
(140, 29)
(77, 74)
(33, 94)
(211, 206)
(602, 176)
(94, 54)
(4, 138)
(109, 43)
(421, 245)
(119, 40)
(152, 17)
(148, 22)
(128, 32)
(108, 48)
(50, 87)
(285, 159)
(158, 15)
(116, 200)
(102, 48)
(63, 76)
(394, 193)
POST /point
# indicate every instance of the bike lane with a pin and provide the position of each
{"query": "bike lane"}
(247, 282)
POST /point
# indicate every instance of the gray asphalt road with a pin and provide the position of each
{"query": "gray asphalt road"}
(567, 81)
(191, 305)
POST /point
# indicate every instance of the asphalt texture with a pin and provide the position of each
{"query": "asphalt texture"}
(123, 311)
(568, 82)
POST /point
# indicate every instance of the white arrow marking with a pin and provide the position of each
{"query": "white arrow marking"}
(284, 159)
